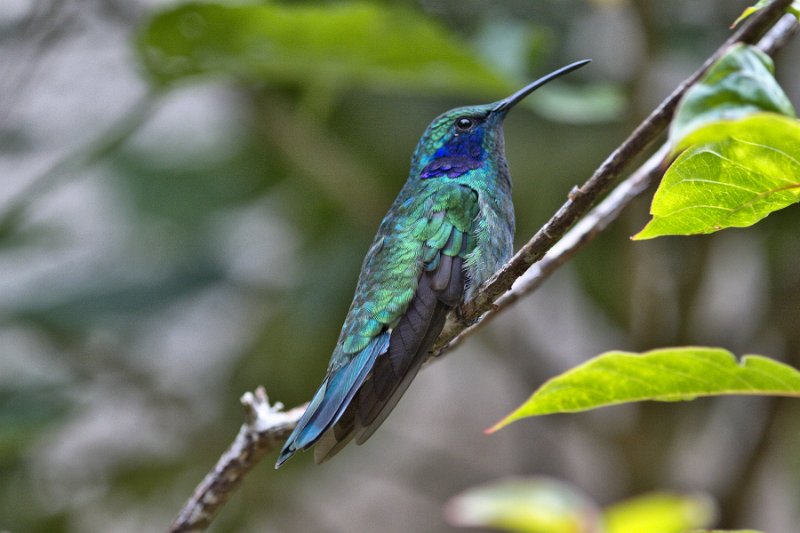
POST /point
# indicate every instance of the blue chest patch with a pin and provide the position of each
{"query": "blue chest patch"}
(460, 154)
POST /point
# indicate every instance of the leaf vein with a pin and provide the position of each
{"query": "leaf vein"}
(770, 148)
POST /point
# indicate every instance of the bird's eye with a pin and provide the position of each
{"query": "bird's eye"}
(464, 123)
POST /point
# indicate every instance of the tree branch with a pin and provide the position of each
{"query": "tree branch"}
(598, 219)
(266, 427)
(581, 198)
(589, 227)
(553, 245)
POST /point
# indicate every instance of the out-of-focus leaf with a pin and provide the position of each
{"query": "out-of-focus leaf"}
(794, 9)
(580, 105)
(670, 374)
(510, 45)
(739, 84)
(187, 192)
(26, 412)
(329, 45)
(113, 303)
(737, 173)
(546, 505)
(526, 505)
(661, 512)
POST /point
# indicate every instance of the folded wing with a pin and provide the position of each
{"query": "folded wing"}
(411, 278)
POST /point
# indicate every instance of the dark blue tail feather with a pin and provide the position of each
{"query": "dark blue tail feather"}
(332, 398)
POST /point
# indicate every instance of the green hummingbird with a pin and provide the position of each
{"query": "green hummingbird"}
(450, 228)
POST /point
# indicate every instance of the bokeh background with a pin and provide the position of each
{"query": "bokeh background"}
(168, 244)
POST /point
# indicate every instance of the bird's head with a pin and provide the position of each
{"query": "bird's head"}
(462, 139)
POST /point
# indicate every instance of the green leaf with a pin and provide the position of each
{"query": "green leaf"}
(742, 151)
(327, 45)
(670, 374)
(525, 505)
(661, 512)
(733, 182)
(794, 9)
(739, 84)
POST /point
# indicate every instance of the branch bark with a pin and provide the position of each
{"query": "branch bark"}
(266, 427)
(553, 245)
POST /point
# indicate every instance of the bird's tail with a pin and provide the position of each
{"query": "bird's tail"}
(356, 399)
(332, 398)
(438, 291)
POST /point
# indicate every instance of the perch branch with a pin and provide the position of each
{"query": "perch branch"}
(589, 227)
(266, 426)
(603, 214)
(582, 198)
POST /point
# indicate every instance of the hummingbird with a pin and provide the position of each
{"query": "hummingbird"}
(449, 229)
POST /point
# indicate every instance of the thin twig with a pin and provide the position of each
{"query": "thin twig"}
(733, 502)
(779, 35)
(505, 287)
(265, 427)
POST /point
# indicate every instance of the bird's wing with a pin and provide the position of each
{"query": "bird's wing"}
(412, 276)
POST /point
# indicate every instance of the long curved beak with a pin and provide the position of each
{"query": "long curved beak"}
(507, 103)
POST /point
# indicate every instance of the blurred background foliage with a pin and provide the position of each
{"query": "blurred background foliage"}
(190, 189)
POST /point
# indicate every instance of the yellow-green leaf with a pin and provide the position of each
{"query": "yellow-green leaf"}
(671, 374)
(546, 505)
(794, 9)
(661, 512)
(736, 173)
(526, 505)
